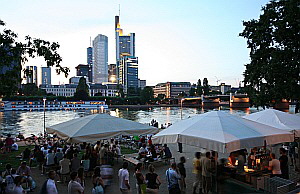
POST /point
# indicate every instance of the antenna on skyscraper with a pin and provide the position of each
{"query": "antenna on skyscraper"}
(119, 10)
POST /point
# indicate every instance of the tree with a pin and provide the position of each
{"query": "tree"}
(192, 91)
(82, 90)
(199, 88)
(147, 94)
(14, 54)
(205, 86)
(30, 89)
(274, 42)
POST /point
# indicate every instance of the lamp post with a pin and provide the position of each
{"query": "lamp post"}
(44, 99)
(181, 108)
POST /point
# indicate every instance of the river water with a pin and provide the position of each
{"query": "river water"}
(28, 122)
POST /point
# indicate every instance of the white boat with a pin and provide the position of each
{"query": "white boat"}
(52, 105)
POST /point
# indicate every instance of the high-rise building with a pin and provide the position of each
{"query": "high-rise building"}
(141, 84)
(82, 70)
(46, 76)
(128, 73)
(126, 61)
(31, 77)
(90, 63)
(100, 62)
(112, 73)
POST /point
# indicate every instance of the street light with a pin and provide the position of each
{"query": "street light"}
(44, 99)
(181, 108)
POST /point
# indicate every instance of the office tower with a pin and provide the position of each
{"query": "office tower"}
(125, 44)
(128, 73)
(112, 73)
(31, 77)
(90, 63)
(125, 50)
(100, 62)
(46, 76)
(82, 70)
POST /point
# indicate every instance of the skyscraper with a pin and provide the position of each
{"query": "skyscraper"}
(90, 63)
(126, 61)
(112, 73)
(128, 73)
(31, 77)
(100, 62)
(46, 76)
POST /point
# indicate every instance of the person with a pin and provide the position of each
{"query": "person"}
(140, 180)
(241, 162)
(80, 177)
(150, 141)
(152, 180)
(9, 180)
(232, 158)
(142, 151)
(98, 183)
(97, 146)
(64, 166)
(14, 147)
(274, 166)
(26, 154)
(124, 179)
(8, 143)
(74, 187)
(86, 163)
(50, 183)
(206, 172)
(75, 163)
(284, 167)
(292, 152)
(103, 153)
(18, 189)
(182, 173)
(173, 178)
(58, 156)
(167, 152)
(49, 160)
(197, 170)
(25, 171)
(214, 167)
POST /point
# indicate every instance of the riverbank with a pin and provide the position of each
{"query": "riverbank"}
(138, 106)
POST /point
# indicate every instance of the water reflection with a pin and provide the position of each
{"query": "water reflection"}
(32, 122)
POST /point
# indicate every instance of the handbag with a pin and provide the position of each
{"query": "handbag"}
(98, 190)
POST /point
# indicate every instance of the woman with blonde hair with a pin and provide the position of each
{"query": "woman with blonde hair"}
(152, 180)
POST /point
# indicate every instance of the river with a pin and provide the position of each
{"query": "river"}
(28, 122)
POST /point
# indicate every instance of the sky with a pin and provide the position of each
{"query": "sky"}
(176, 40)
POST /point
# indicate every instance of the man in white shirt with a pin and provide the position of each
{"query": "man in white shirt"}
(124, 179)
(74, 187)
(51, 187)
(274, 165)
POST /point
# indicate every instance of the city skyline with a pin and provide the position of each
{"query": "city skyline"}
(176, 41)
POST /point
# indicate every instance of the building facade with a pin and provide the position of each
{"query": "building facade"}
(141, 84)
(68, 90)
(128, 73)
(90, 63)
(46, 76)
(32, 77)
(100, 61)
(172, 89)
(82, 70)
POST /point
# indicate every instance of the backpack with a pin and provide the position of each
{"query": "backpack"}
(44, 188)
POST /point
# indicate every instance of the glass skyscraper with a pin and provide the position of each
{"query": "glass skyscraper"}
(100, 62)
(90, 63)
(46, 76)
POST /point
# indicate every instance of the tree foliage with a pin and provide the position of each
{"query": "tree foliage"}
(82, 90)
(274, 43)
(205, 86)
(147, 94)
(199, 89)
(14, 54)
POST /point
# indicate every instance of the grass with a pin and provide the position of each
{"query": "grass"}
(12, 158)
(126, 150)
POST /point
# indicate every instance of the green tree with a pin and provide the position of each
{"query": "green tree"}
(82, 90)
(274, 42)
(192, 91)
(199, 89)
(147, 94)
(30, 89)
(14, 54)
(205, 86)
